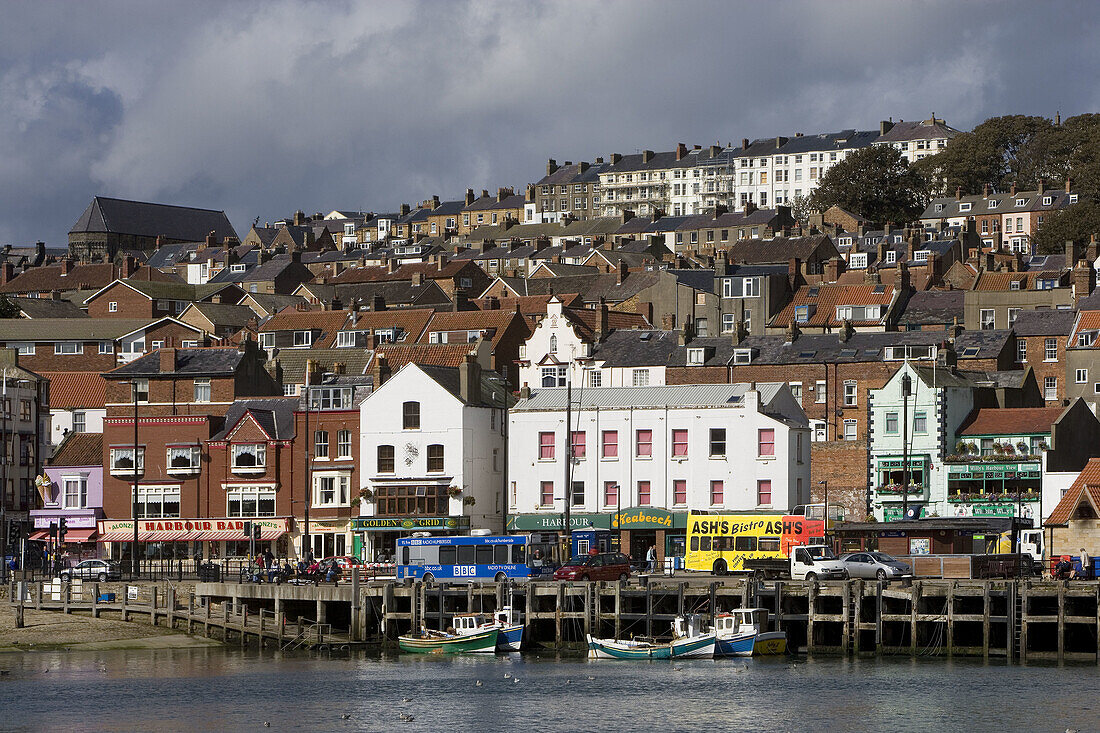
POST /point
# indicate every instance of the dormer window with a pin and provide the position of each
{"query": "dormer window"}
(891, 256)
(238, 267)
(858, 261)
(921, 255)
(1086, 338)
(1073, 198)
(803, 313)
(696, 356)
(742, 356)
(965, 206)
(303, 338)
(1014, 285)
(1047, 200)
(938, 207)
(1021, 202)
(993, 203)
(249, 457)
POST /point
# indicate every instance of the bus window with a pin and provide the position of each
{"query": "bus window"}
(695, 544)
(484, 555)
(769, 544)
(500, 554)
(448, 555)
(704, 543)
(744, 543)
(519, 554)
(405, 555)
(465, 554)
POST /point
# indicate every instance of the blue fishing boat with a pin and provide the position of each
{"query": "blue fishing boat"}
(743, 633)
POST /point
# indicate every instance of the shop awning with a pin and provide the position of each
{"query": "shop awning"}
(186, 531)
(38, 536)
(79, 535)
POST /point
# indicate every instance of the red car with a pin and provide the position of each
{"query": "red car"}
(603, 566)
(346, 562)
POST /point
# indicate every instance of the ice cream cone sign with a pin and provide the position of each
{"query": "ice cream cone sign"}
(44, 486)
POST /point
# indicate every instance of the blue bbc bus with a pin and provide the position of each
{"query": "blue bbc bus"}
(493, 558)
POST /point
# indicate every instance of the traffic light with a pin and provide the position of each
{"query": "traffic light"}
(53, 530)
(256, 530)
(248, 530)
(62, 528)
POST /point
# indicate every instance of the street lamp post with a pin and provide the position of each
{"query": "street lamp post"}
(906, 389)
(825, 529)
(135, 568)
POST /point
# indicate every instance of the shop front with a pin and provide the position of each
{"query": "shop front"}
(376, 537)
(180, 539)
(643, 527)
(994, 489)
(331, 537)
(79, 542)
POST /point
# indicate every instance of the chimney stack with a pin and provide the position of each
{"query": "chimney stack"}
(681, 151)
(167, 361)
(601, 327)
(744, 143)
(378, 303)
(469, 381)
(623, 271)
(958, 194)
(551, 166)
(885, 126)
(615, 158)
(1068, 185)
(647, 155)
(7, 272)
(461, 301)
(1012, 191)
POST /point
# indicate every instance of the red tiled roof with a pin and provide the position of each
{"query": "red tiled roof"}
(80, 277)
(76, 389)
(831, 296)
(398, 355)
(1010, 420)
(79, 449)
(1088, 479)
(446, 321)
(588, 320)
(1002, 281)
(329, 322)
(532, 304)
(1086, 321)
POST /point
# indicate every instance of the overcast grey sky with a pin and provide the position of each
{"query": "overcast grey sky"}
(262, 108)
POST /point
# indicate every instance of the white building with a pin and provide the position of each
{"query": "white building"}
(657, 453)
(432, 453)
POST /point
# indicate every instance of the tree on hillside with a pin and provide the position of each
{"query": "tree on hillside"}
(874, 182)
(1076, 223)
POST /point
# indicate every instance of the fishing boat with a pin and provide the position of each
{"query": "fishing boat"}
(743, 633)
(437, 642)
(687, 643)
(510, 638)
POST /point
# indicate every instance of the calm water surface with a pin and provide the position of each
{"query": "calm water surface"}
(217, 689)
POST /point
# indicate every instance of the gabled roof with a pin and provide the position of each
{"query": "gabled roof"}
(1087, 323)
(531, 304)
(429, 270)
(587, 320)
(629, 348)
(223, 314)
(398, 355)
(270, 303)
(492, 386)
(1086, 487)
(47, 308)
(79, 277)
(494, 323)
(827, 297)
(327, 322)
(1010, 420)
(274, 415)
(78, 449)
(929, 129)
(293, 362)
(155, 290)
(1002, 281)
(71, 390)
(933, 307)
(139, 218)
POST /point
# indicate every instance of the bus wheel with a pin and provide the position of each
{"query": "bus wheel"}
(429, 578)
(719, 567)
(500, 578)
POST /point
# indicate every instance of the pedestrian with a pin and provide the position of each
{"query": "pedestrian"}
(1084, 572)
(651, 558)
(269, 558)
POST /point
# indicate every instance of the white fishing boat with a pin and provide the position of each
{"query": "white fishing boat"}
(687, 643)
(743, 632)
(505, 621)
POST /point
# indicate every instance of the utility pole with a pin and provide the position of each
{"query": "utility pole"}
(135, 567)
(4, 477)
(568, 459)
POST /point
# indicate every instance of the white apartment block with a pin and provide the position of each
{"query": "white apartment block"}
(722, 447)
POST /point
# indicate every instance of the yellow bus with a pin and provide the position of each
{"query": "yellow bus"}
(721, 543)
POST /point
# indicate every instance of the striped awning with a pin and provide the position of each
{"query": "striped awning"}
(190, 530)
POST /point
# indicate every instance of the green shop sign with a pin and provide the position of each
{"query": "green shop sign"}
(398, 524)
(554, 522)
(648, 518)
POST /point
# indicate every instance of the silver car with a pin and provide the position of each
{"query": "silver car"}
(874, 565)
(101, 570)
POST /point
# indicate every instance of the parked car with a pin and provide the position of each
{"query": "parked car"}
(875, 565)
(602, 566)
(346, 562)
(101, 570)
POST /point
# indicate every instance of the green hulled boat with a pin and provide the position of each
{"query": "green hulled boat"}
(434, 642)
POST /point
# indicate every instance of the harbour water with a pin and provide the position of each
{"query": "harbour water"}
(220, 689)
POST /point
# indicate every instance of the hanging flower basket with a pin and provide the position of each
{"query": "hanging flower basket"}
(469, 501)
(454, 491)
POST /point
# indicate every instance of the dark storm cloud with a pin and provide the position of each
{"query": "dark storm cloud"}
(264, 108)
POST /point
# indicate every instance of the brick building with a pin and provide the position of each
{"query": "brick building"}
(109, 224)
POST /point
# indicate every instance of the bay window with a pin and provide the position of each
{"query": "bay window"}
(248, 457)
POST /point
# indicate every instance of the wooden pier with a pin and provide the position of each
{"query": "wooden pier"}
(1009, 619)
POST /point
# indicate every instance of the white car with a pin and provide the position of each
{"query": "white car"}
(101, 570)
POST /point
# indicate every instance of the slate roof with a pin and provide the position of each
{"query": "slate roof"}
(272, 302)
(929, 129)
(293, 362)
(531, 304)
(47, 308)
(571, 174)
(169, 255)
(780, 249)
(257, 273)
(395, 293)
(69, 329)
(78, 449)
(675, 396)
(491, 384)
(223, 314)
(591, 287)
(155, 290)
(1046, 322)
(630, 348)
(213, 361)
(1086, 487)
(989, 343)
(275, 415)
(634, 162)
(80, 277)
(487, 203)
(150, 220)
(933, 307)
(69, 390)
(842, 140)
(1010, 420)
(430, 271)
